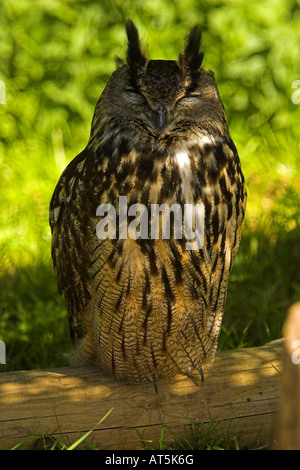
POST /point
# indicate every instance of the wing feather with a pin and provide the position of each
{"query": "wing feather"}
(69, 243)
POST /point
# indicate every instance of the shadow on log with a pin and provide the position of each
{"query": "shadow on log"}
(240, 390)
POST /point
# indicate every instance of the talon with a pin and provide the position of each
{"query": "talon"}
(155, 384)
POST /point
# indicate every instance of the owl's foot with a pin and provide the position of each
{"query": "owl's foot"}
(195, 379)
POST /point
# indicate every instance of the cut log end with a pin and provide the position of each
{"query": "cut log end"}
(287, 428)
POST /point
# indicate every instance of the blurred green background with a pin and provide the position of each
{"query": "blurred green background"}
(56, 56)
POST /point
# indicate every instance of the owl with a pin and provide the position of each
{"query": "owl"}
(145, 287)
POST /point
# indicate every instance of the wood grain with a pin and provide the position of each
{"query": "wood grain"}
(241, 390)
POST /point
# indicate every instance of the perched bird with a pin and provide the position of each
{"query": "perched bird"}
(145, 307)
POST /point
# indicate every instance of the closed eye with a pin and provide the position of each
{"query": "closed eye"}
(133, 94)
(130, 89)
(193, 94)
(190, 97)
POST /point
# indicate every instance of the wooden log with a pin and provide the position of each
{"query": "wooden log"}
(287, 427)
(239, 391)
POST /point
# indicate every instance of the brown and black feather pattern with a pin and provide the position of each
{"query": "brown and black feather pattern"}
(146, 308)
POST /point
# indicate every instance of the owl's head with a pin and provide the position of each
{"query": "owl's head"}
(160, 101)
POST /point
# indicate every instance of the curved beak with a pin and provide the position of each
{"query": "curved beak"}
(161, 116)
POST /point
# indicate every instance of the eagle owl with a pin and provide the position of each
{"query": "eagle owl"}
(147, 307)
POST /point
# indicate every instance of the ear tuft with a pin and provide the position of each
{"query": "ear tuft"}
(190, 60)
(136, 59)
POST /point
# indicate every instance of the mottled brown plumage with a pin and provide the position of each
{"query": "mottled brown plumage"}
(146, 308)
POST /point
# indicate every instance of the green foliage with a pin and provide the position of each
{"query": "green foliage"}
(56, 57)
(199, 435)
